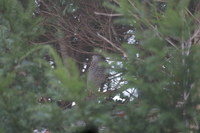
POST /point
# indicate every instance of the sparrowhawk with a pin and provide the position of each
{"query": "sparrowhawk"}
(96, 75)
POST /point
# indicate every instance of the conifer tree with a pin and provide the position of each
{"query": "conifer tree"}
(157, 79)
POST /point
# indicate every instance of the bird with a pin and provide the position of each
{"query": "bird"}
(96, 76)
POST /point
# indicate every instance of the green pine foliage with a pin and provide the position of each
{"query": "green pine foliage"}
(165, 74)
(20, 72)
(25, 76)
(161, 67)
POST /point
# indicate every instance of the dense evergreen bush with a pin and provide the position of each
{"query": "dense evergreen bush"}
(160, 73)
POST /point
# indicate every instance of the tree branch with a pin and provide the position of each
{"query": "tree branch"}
(114, 45)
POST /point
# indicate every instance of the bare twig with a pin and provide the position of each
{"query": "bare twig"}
(107, 14)
(114, 45)
(170, 42)
(192, 15)
(115, 1)
(195, 34)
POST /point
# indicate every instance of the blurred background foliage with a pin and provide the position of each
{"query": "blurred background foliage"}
(151, 46)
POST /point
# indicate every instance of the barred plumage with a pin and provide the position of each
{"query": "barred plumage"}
(96, 75)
